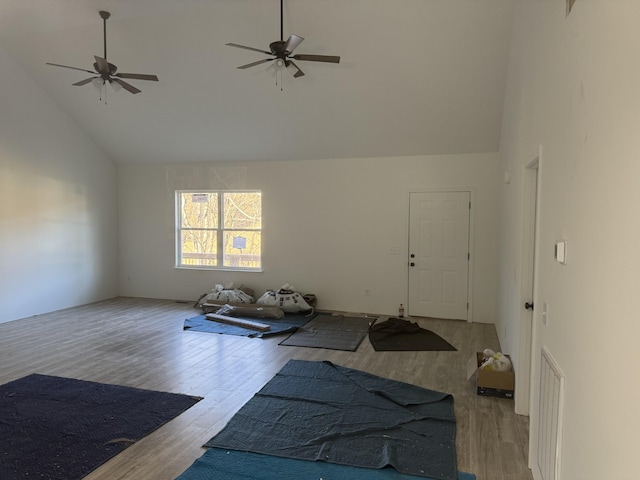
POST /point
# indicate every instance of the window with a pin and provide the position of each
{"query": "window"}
(219, 229)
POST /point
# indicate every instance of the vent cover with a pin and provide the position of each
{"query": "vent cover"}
(550, 417)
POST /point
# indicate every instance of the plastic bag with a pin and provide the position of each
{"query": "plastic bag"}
(495, 361)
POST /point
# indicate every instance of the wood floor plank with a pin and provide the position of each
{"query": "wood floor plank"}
(141, 343)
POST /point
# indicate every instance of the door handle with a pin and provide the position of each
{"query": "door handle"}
(528, 306)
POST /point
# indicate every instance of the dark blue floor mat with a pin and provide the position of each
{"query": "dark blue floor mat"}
(62, 429)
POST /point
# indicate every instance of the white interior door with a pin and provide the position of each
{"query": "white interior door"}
(523, 373)
(439, 254)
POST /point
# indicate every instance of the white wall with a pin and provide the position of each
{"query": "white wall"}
(58, 227)
(574, 88)
(328, 227)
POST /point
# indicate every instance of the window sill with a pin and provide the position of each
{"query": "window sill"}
(219, 269)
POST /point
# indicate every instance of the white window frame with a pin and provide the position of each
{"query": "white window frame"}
(220, 232)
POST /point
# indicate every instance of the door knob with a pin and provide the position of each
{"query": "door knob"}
(413, 256)
(528, 306)
(412, 264)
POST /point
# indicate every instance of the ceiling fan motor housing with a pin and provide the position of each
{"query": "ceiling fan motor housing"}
(278, 49)
(112, 70)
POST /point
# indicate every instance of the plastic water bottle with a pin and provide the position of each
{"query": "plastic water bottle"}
(401, 311)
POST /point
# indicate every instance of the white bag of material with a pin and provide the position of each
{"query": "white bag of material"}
(228, 294)
(286, 298)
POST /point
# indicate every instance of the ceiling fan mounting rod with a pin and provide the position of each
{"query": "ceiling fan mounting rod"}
(281, 21)
(104, 15)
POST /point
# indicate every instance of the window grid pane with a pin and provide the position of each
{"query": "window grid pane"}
(199, 248)
(199, 210)
(242, 210)
(242, 248)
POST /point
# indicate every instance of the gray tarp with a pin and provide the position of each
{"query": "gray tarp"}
(321, 411)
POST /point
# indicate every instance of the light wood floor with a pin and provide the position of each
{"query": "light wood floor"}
(141, 343)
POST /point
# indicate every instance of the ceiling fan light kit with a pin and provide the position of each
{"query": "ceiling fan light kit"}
(105, 72)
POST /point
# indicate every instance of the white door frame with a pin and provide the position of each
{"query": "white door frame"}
(472, 198)
(528, 286)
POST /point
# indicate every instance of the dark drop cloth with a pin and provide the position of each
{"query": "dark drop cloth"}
(397, 334)
(322, 411)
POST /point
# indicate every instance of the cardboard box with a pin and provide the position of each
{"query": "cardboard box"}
(489, 382)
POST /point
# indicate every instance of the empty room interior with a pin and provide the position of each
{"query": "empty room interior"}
(523, 112)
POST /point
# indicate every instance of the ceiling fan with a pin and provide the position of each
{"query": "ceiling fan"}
(106, 72)
(282, 51)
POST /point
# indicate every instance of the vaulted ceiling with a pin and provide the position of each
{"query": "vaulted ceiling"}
(417, 77)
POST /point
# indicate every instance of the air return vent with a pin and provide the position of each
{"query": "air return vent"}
(550, 417)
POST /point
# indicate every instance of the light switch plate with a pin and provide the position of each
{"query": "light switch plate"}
(561, 252)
